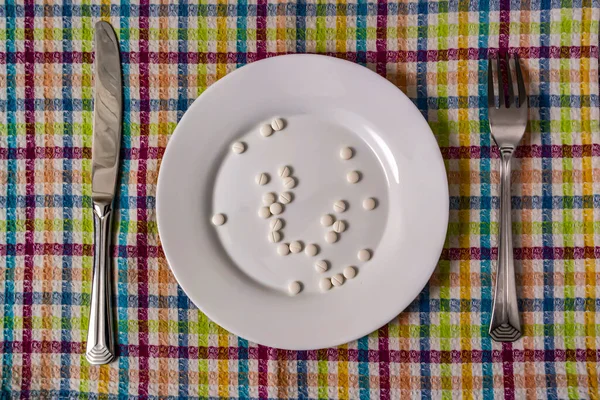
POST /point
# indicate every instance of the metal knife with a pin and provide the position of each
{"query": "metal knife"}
(106, 144)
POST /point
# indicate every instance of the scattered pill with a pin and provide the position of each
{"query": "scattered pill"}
(337, 280)
(264, 212)
(346, 153)
(262, 179)
(327, 220)
(266, 130)
(274, 236)
(325, 284)
(295, 247)
(286, 197)
(289, 182)
(283, 249)
(364, 255)
(276, 208)
(284, 171)
(276, 224)
(218, 219)
(311, 250)
(331, 237)
(339, 206)
(353, 176)
(339, 226)
(238, 147)
(277, 124)
(294, 288)
(369, 204)
(321, 266)
(349, 272)
(268, 199)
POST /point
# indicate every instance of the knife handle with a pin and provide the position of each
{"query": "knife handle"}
(100, 341)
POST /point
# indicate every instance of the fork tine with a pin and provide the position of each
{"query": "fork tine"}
(500, 84)
(520, 82)
(509, 83)
(491, 95)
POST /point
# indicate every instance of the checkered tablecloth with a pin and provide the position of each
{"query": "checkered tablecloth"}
(436, 53)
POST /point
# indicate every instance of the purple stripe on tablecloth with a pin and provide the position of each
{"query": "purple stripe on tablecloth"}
(384, 362)
(261, 36)
(133, 57)
(263, 371)
(381, 41)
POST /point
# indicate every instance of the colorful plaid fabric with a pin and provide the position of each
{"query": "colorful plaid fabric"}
(436, 52)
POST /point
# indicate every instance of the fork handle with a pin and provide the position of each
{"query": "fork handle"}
(505, 325)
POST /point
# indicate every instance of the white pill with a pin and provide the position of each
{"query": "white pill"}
(262, 179)
(266, 130)
(286, 197)
(295, 247)
(218, 219)
(353, 176)
(339, 206)
(276, 224)
(238, 147)
(346, 153)
(274, 236)
(321, 266)
(294, 288)
(327, 220)
(337, 280)
(349, 272)
(277, 124)
(289, 182)
(264, 212)
(276, 208)
(369, 204)
(283, 249)
(325, 284)
(284, 171)
(339, 226)
(364, 255)
(331, 237)
(268, 199)
(311, 250)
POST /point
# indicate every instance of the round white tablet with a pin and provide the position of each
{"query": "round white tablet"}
(339, 206)
(289, 182)
(311, 250)
(262, 179)
(276, 208)
(369, 204)
(327, 220)
(364, 255)
(283, 249)
(353, 176)
(266, 130)
(337, 280)
(264, 212)
(325, 284)
(268, 199)
(274, 236)
(218, 219)
(277, 124)
(349, 272)
(276, 224)
(284, 171)
(339, 226)
(294, 288)
(286, 197)
(321, 266)
(238, 147)
(331, 237)
(346, 153)
(295, 247)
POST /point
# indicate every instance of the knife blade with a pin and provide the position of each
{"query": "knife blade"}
(106, 144)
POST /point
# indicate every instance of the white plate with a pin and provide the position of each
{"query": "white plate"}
(232, 273)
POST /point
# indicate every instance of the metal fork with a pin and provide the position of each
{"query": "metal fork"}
(508, 120)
